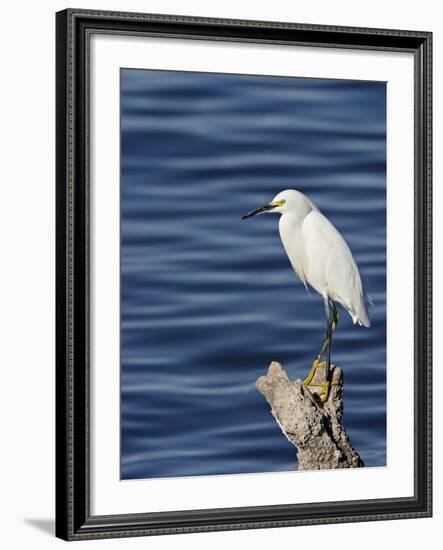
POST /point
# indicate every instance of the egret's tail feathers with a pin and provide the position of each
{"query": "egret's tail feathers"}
(362, 318)
(365, 321)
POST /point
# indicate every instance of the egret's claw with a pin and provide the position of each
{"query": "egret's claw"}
(317, 363)
(322, 389)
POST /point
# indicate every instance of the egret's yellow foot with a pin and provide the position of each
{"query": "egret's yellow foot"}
(317, 363)
(324, 391)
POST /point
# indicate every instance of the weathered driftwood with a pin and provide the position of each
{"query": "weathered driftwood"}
(313, 427)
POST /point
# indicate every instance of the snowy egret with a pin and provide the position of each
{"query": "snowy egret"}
(321, 258)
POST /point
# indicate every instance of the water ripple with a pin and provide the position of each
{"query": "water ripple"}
(207, 301)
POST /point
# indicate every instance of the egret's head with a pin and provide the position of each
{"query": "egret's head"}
(285, 201)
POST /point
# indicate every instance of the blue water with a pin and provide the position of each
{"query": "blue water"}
(208, 300)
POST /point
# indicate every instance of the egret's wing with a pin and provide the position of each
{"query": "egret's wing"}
(331, 268)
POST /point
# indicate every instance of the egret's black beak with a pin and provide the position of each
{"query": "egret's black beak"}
(259, 211)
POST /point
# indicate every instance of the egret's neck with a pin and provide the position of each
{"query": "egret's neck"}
(287, 224)
(290, 219)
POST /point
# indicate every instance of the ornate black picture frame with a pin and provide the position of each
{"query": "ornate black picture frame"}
(73, 517)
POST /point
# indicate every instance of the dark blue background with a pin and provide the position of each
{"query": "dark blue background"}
(208, 300)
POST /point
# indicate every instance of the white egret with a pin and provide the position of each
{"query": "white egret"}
(321, 258)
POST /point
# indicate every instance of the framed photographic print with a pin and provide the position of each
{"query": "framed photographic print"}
(243, 274)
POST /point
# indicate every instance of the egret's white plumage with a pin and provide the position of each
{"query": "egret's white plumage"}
(318, 253)
(321, 258)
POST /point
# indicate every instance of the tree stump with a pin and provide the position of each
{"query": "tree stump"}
(313, 427)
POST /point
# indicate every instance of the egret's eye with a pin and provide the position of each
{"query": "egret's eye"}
(280, 202)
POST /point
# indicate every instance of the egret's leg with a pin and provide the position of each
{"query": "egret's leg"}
(331, 328)
(329, 322)
(325, 387)
(328, 356)
(332, 325)
(334, 316)
(322, 349)
(326, 341)
(317, 361)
